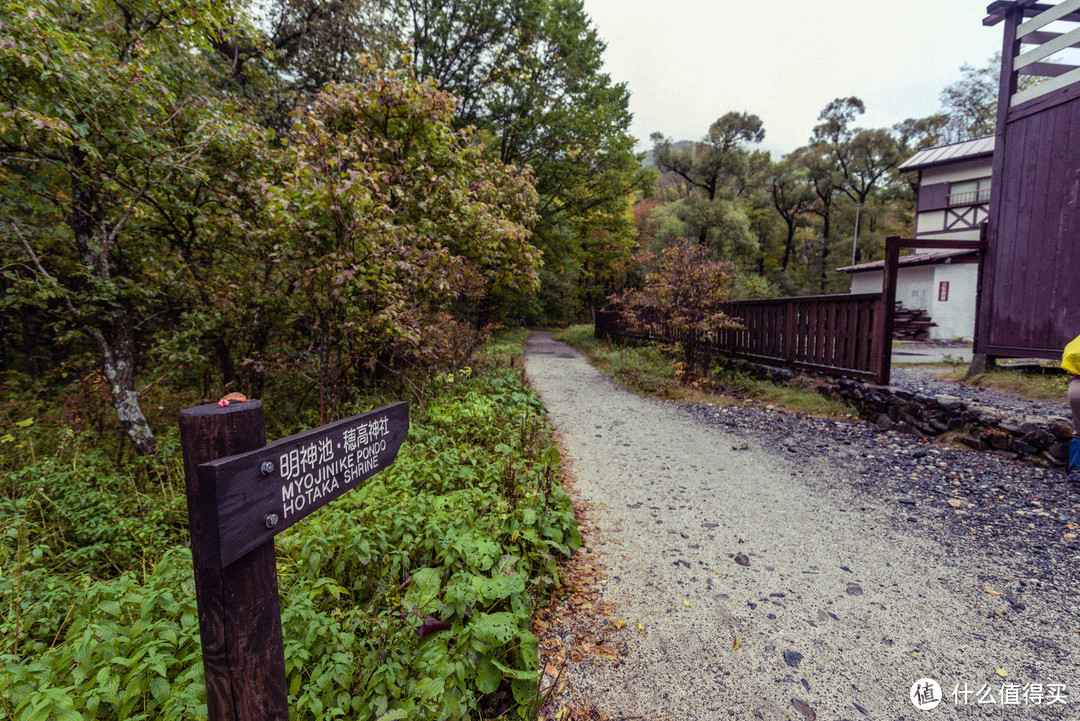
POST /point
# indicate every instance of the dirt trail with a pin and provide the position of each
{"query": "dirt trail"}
(708, 537)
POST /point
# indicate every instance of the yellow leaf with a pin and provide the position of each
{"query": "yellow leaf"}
(641, 626)
(737, 645)
(620, 624)
(1003, 673)
(913, 655)
(686, 603)
(992, 593)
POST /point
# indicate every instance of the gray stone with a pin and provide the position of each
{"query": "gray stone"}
(1022, 448)
(1039, 438)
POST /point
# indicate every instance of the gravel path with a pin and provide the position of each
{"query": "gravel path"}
(844, 562)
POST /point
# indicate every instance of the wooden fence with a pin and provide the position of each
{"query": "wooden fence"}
(841, 335)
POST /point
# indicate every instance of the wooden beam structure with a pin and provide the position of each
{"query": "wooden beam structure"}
(996, 11)
(1026, 306)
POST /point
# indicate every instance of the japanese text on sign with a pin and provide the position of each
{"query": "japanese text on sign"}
(316, 469)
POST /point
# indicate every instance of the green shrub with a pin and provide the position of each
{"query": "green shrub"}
(408, 598)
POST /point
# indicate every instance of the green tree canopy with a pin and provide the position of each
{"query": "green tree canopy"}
(714, 172)
(105, 109)
(528, 74)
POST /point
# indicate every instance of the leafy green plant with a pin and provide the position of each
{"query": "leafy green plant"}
(408, 598)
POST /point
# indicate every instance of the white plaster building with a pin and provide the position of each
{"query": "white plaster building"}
(953, 202)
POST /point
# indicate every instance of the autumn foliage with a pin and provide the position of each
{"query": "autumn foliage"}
(385, 224)
(682, 299)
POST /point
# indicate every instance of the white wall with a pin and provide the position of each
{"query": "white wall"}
(917, 287)
(956, 172)
(933, 221)
(955, 317)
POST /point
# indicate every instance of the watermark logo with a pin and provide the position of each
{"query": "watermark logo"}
(925, 694)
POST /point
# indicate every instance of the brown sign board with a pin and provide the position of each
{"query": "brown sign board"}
(263, 492)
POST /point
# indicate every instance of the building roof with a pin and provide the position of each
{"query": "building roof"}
(954, 152)
(945, 256)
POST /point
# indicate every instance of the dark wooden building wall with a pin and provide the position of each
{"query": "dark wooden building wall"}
(1030, 296)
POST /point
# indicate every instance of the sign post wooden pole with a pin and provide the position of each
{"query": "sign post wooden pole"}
(239, 612)
(241, 492)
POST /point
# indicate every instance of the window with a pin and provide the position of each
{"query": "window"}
(969, 192)
(943, 291)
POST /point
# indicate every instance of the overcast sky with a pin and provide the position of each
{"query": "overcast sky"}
(687, 62)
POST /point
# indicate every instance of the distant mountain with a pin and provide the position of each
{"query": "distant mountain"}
(650, 161)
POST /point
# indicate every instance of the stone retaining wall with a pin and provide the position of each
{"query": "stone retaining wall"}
(972, 424)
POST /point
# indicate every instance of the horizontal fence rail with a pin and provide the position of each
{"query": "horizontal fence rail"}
(838, 335)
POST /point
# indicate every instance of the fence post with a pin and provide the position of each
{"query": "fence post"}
(239, 611)
(888, 302)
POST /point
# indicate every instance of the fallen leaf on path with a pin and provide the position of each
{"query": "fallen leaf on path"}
(741, 559)
(686, 603)
(804, 709)
(1003, 673)
(620, 624)
(738, 643)
(992, 593)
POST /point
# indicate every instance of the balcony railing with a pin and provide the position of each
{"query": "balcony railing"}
(971, 197)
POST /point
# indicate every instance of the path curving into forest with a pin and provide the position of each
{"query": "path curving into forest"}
(839, 600)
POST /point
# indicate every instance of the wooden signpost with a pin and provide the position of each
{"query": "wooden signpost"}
(241, 492)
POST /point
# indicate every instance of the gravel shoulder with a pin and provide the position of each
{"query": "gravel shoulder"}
(783, 566)
(922, 379)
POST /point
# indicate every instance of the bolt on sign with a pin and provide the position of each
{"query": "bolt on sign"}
(241, 492)
(273, 487)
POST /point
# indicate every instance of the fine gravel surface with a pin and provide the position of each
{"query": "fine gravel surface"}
(782, 566)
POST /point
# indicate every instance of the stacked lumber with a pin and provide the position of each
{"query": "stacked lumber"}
(911, 323)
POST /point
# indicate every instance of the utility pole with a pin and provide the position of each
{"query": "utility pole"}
(855, 241)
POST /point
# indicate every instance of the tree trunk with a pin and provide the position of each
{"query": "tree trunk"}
(116, 340)
(118, 361)
(789, 244)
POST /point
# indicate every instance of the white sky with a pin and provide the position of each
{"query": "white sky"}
(687, 62)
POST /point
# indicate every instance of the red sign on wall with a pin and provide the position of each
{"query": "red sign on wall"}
(943, 290)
